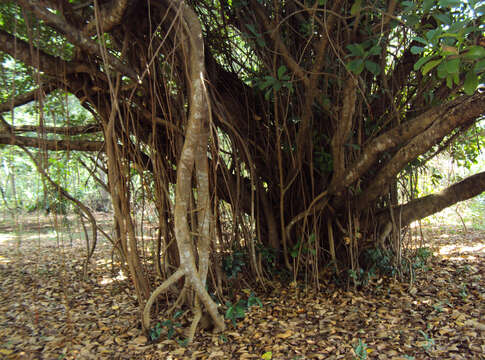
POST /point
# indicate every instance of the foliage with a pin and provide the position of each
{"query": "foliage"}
(233, 263)
(167, 325)
(361, 350)
(238, 310)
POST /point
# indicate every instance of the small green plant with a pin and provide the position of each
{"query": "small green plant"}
(361, 350)
(269, 83)
(465, 269)
(183, 342)
(268, 257)
(438, 307)
(235, 311)
(169, 325)
(463, 292)
(223, 338)
(238, 310)
(233, 263)
(429, 341)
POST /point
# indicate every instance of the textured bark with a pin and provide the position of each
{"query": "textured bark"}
(68, 130)
(195, 136)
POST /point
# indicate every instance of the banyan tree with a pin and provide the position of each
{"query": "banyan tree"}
(276, 129)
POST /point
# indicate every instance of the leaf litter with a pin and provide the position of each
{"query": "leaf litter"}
(48, 312)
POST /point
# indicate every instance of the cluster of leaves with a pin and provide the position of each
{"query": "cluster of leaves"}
(273, 84)
(169, 326)
(233, 263)
(238, 310)
(380, 261)
(449, 49)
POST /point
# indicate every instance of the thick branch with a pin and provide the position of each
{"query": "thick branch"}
(428, 205)
(25, 98)
(53, 145)
(44, 62)
(68, 130)
(76, 37)
(467, 110)
(399, 135)
(109, 17)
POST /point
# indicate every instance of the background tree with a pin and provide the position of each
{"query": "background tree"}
(277, 128)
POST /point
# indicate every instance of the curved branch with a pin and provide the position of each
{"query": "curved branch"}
(401, 134)
(109, 17)
(27, 97)
(51, 65)
(76, 37)
(463, 112)
(428, 205)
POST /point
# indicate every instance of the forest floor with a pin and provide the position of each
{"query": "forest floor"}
(48, 312)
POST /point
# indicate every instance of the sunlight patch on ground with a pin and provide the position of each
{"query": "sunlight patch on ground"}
(451, 249)
(109, 280)
(5, 238)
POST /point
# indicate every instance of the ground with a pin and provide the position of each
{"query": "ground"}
(48, 312)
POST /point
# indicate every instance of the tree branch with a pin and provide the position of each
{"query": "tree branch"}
(109, 16)
(51, 65)
(27, 97)
(76, 37)
(405, 132)
(53, 145)
(68, 130)
(464, 111)
(428, 205)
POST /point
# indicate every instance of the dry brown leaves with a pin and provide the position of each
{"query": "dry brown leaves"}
(46, 312)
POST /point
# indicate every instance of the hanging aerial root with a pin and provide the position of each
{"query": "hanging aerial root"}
(158, 291)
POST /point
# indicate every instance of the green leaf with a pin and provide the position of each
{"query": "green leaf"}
(417, 49)
(449, 3)
(421, 62)
(449, 81)
(443, 18)
(453, 66)
(420, 40)
(428, 4)
(356, 66)
(356, 50)
(471, 83)
(355, 9)
(372, 67)
(281, 71)
(430, 66)
(252, 29)
(474, 52)
(411, 20)
(479, 66)
(375, 50)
